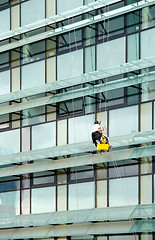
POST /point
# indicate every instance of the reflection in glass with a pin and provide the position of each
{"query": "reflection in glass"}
(111, 98)
(133, 47)
(123, 192)
(4, 59)
(72, 106)
(80, 128)
(90, 59)
(46, 203)
(70, 64)
(44, 135)
(123, 121)
(33, 115)
(111, 53)
(43, 177)
(4, 82)
(147, 43)
(9, 203)
(81, 196)
(33, 75)
(81, 173)
(148, 91)
(63, 6)
(10, 142)
(32, 11)
(148, 17)
(123, 171)
(25, 201)
(33, 52)
(111, 27)
(5, 19)
(133, 22)
(124, 237)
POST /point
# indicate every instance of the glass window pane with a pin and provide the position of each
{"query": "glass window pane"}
(122, 171)
(5, 82)
(9, 203)
(123, 121)
(43, 177)
(33, 115)
(111, 27)
(63, 6)
(32, 11)
(111, 98)
(5, 19)
(25, 139)
(33, 74)
(148, 17)
(154, 115)
(111, 53)
(148, 91)
(90, 59)
(124, 237)
(81, 173)
(89, 32)
(44, 135)
(133, 22)
(4, 2)
(4, 60)
(70, 64)
(25, 201)
(133, 94)
(10, 142)
(81, 196)
(33, 52)
(70, 40)
(80, 128)
(133, 47)
(123, 191)
(46, 203)
(147, 43)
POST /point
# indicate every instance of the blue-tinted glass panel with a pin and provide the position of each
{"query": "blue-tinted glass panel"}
(123, 192)
(43, 200)
(147, 43)
(9, 203)
(33, 52)
(4, 60)
(33, 75)
(81, 196)
(111, 53)
(44, 135)
(80, 128)
(10, 142)
(4, 82)
(32, 11)
(63, 6)
(123, 121)
(70, 64)
(5, 19)
(148, 17)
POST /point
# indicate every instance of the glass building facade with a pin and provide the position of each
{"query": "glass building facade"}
(64, 64)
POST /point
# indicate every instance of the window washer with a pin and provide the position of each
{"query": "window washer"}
(97, 134)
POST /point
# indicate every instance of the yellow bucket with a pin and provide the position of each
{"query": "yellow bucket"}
(102, 147)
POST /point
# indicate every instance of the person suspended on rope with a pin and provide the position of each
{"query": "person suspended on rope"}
(97, 134)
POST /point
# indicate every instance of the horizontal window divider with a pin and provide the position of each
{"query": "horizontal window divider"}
(82, 229)
(129, 212)
(84, 78)
(84, 147)
(57, 18)
(77, 25)
(78, 93)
